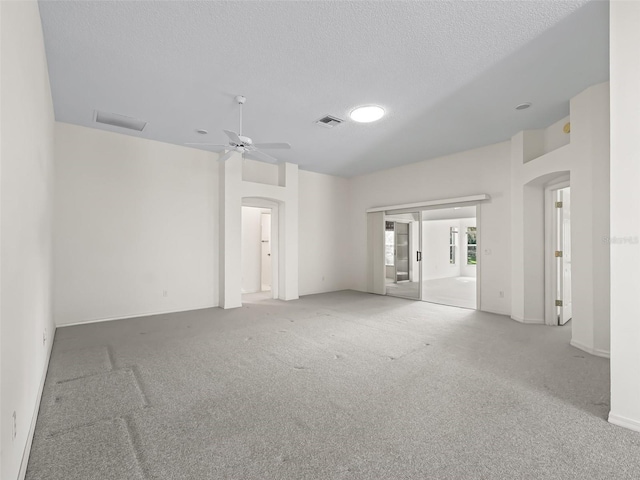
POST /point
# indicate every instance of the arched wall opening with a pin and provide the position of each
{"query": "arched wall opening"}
(282, 198)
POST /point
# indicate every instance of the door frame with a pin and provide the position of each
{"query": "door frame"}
(275, 248)
(262, 242)
(551, 265)
(479, 251)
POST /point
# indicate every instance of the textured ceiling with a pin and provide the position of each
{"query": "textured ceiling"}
(449, 73)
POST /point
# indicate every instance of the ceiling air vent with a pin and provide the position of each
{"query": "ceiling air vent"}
(329, 121)
(121, 121)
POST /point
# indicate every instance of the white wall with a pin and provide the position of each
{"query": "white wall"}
(325, 232)
(251, 249)
(590, 145)
(585, 161)
(134, 218)
(435, 249)
(554, 135)
(625, 222)
(234, 191)
(528, 178)
(313, 228)
(482, 170)
(26, 138)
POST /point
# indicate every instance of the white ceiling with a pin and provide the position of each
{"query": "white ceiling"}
(449, 73)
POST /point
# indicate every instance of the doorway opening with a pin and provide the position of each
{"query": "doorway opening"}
(256, 253)
(433, 254)
(558, 302)
(450, 256)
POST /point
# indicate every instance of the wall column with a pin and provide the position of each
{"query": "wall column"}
(230, 232)
(590, 219)
(288, 226)
(625, 220)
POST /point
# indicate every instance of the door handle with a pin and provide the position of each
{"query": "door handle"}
(418, 256)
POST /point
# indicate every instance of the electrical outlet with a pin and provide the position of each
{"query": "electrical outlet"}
(14, 431)
(164, 293)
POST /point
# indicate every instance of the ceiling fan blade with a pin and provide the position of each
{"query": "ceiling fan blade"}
(258, 155)
(226, 156)
(282, 146)
(216, 146)
(233, 136)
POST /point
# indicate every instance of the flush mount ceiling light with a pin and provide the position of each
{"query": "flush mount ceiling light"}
(202, 131)
(367, 113)
(523, 106)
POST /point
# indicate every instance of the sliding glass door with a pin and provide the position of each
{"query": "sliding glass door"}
(403, 240)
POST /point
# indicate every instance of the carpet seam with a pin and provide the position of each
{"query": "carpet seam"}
(139, 384)
(134, 445)
(83, 377)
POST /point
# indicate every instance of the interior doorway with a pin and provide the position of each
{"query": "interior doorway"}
(256, 251)
(558, 254)
(450, 256)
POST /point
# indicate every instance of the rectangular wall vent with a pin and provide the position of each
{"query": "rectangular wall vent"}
(121, 121)
(329, 121)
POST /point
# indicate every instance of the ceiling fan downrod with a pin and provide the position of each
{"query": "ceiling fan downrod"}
(240, 99)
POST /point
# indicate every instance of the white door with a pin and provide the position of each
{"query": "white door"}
(563, 255)
(266, 251)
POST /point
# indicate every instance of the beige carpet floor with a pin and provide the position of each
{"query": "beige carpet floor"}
(335, 386)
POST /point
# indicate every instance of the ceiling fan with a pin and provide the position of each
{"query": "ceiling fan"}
(243, 144)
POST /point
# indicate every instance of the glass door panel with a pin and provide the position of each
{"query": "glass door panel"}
(403, 272)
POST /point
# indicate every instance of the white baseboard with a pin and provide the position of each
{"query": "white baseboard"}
(531, 321)
(135, 315)
(624, 422)
(593, 351)
(495, 312)
(534, 321)
(32, 428)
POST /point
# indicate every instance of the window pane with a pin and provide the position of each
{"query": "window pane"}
(471, 254)
(453, 242)
(388, 247)
(471, 245)
(471, 235)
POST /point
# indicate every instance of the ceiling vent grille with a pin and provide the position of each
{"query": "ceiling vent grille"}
(329, 121)
(121, 121)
